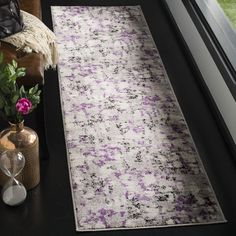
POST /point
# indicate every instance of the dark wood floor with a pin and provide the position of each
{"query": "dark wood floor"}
(48, 209)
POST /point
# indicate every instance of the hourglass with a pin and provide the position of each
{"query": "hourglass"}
(11, 163)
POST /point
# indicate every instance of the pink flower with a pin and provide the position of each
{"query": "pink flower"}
(23, 106)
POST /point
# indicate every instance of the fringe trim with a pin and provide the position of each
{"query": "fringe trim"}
(36, 37)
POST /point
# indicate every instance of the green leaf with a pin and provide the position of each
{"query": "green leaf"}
(1, 103)
(5, 89)
(13, 77)
(7, 110)
(20, 72)
(31, 91)
(38, 93)
(1, 57)
(11, 69)
(2, 75)
(22, 91)
(35, 99)
(15, 98)
(14, 63)
(36, 87)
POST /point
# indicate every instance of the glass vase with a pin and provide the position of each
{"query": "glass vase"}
(22, 139)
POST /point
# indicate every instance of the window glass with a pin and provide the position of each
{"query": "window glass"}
(229, 7)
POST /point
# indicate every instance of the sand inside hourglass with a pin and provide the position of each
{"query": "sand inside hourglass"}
(14, 195)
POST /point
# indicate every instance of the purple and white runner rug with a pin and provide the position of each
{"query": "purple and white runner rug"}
(132, 161)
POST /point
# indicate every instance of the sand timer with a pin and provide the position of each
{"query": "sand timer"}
(11, 163)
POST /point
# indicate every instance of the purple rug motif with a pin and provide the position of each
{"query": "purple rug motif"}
(132, 161)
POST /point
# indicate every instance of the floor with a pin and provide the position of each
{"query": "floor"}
(48, 209)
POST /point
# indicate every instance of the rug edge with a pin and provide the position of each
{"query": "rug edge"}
(63, 121)
(152, 227)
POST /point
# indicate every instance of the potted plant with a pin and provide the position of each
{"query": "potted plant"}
(15, 103)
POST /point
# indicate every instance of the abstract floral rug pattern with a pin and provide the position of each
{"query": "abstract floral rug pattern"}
(131, 158)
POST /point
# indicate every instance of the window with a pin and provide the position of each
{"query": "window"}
(229, 8)
(210, 39)
(220, 28)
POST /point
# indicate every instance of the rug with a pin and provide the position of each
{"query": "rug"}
(132, 161)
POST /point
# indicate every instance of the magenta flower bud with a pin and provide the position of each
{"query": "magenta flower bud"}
(23, 106)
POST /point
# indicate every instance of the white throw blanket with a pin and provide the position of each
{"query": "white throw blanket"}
(36, 37)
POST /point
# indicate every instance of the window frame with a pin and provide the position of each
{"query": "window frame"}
(220, 29)
(218, 35)
(208, 63)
